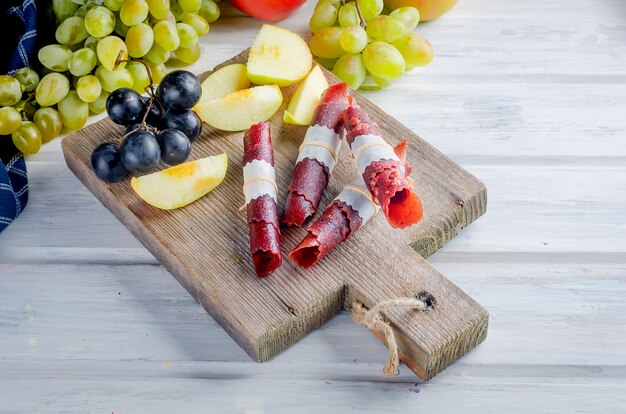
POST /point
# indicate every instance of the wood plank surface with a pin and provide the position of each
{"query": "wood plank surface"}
(205, 246)
(527, 96)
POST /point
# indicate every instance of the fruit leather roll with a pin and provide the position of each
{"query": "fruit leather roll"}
(383, 168)
(317, 156)
(259, 187)
(350, 210)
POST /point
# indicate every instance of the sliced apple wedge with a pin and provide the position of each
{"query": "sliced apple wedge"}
(279, 57)
(225, 80)
(183, 184)
(239, 110)
(305, 99)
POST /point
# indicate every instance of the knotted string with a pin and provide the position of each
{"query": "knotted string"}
(373, 320)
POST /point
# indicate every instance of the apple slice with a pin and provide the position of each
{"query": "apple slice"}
(279, 57)
(183, 184)
(239, 110)
(225, 80)
(305, 99)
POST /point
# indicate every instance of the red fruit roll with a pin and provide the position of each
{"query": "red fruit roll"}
(384, 169)
(259, 187)
(317, 156)
(350, 210)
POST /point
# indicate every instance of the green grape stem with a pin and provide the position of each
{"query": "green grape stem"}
(362, 21)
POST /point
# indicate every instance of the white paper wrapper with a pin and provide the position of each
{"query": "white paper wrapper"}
(254, 189)
(359, 202)
(373, 153)
(320, 133)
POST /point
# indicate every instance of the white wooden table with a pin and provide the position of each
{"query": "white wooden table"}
(529, 96)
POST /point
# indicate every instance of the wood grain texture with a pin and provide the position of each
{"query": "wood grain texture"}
(203, 247)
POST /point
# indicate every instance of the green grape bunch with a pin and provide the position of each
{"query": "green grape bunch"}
(363, 47)
(98, 46)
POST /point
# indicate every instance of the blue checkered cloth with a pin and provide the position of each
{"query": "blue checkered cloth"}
(21, 16)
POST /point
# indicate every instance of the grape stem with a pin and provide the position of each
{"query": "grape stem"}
(149, 89)
(362, 21)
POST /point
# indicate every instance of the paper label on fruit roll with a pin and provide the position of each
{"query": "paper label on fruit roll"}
(259, 178)
(367, 149)
(357, 196)
(322, 144)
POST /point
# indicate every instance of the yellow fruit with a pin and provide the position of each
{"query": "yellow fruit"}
(239, 110)
(225, 80)
(279, 57)
(305, 98)
(183, 184)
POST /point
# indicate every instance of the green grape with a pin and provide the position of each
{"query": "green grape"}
(91, 43)
(139, 40)
(373, 83)
(49, 123)
(350, 69)
(157, 55)
(120, 28)
(108, 50)
(28, 78)
(83, 10)
(113, 5)
(176, 10)
(187, 34)
(159, 8)
(190, 6)
(348, 16)
(385, 29)
(197, 22)
(158, 72)
(100, 21)
(383, 60)
(371, 8)
(409, 15)
(111, 81)
(140, 76)
(188, 55)
(415, 50)
(327, 63)
(326, 43)
(333, 2)
(171, 18)
(99, 105)
(209, 10)
(166, 35)
(10, 90)
(88, 88)
(74, 111)
(55, 57)
(27, 138)
(64, 8)
(51, 89)
(325, 15)
(353, 39)
(10, 120)
(134, 12)
(82, 62)
(71, 31)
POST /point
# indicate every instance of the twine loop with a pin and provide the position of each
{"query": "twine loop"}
(363, 147)
(363, 191)
(373, 320)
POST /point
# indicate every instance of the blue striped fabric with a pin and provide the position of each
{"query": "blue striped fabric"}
(13, 177)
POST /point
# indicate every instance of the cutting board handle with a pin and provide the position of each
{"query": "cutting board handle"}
(426, 325)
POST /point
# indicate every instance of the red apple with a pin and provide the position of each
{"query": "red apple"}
(429, 9)
(272, 10)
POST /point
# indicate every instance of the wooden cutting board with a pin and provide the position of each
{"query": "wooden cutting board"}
(205, 247)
